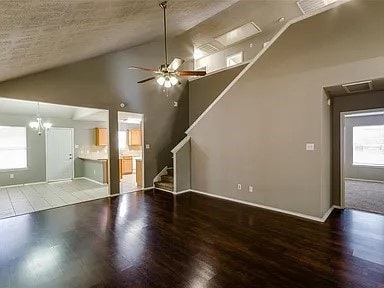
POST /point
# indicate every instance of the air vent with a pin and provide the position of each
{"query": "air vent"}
(356, 87)
(308, 6)
(239, 34)
(208, 49)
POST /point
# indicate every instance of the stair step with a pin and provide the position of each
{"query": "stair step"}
(167, 178)
(164, 185)
(170, 171)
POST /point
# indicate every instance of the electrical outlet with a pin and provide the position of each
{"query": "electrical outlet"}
(250, 189)
(11, 176)
(238, 186)
(310, 147)
(175, 104)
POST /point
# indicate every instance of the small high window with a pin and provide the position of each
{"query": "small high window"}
(235, 59)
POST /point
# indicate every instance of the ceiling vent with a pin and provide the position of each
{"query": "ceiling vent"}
(239, 34)
(308, 6)
(207, 49)
(356, 87)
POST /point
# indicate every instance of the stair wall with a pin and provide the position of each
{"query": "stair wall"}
(257, 132)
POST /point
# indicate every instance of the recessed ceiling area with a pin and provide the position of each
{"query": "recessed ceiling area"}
(21, 107)
(36, 35)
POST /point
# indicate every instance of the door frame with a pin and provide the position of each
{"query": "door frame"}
(72, 150)
(142, 144)
(342, 150)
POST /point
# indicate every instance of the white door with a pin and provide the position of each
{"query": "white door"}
(59, 154)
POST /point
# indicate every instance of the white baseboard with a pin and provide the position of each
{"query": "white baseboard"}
(183, 191)
(365, 180)
(313, 218)
(89, 179)
(26, 184)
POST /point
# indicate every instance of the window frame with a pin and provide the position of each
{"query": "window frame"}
(26, 151)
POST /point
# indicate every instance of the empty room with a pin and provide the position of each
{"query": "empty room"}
(231, 143)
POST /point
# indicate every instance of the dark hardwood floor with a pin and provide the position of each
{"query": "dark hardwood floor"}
(154, 239)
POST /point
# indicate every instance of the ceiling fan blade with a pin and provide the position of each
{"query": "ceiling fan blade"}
(144, 69)
(191, 73)
(146, 80)
(175, 64)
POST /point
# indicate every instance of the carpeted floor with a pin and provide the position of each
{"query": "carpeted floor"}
(367, 196)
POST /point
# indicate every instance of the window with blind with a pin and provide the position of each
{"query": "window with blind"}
(13, 148)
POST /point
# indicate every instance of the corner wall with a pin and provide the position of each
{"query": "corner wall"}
(257, 133)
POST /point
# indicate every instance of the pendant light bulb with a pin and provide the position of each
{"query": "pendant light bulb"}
(161, 80)
(173, 80)
(167, 84)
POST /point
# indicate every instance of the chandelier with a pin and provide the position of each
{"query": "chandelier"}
(39, 125)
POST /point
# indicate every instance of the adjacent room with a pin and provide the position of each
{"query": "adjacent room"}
(50, 155)
(131, 167)
(364, 160)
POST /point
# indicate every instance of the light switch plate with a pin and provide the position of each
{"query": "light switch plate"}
(250, 189)
(238, 186)
(147, 146)
(11, 176)
(175, 104)
(310, 147)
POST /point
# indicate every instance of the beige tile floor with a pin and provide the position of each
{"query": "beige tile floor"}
(128, 183)
(29, 198)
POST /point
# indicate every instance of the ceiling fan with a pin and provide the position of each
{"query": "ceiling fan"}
(167, 74)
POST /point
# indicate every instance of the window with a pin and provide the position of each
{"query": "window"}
(234, 59)
(13, 148)
(122, 139)
(368, 145)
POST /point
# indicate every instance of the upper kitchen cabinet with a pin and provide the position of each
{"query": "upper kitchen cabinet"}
(101, 136)
(134, 138)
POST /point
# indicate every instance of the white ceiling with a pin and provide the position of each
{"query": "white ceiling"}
(40, 34)
(19, 107)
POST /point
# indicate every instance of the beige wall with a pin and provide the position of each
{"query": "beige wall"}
(256, 134)
(105, 82)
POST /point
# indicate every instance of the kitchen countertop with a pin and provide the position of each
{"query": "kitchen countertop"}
(93, 159)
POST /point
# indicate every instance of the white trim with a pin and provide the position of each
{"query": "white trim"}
(24, 184)
(89, 179)
(262, 51)
(158, 176)
(342, 158)
(365, 180)
(148, 188)
(181, 144)
(183, 191)
(174, 171)
(326, 215)
(313, 218)
(220, 70)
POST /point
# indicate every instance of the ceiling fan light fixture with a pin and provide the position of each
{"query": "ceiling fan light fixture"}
(173, 80)
(161, 80)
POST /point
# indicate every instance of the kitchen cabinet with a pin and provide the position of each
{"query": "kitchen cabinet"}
(139, 173)
(126, 165)
(134, 137)
(101, 136)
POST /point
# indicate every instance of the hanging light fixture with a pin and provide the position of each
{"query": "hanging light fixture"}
(39, 125)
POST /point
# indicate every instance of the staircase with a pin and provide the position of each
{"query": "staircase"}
(166, 182)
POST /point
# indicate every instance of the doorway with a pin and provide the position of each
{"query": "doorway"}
(60, 164)
(131, 156)
(362, 160)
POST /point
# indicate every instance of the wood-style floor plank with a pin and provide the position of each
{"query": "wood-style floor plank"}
(155, 239)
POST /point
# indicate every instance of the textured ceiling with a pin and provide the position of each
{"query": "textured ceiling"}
(39, 34)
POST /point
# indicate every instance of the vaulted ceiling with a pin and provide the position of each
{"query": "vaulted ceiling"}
(39, 34)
